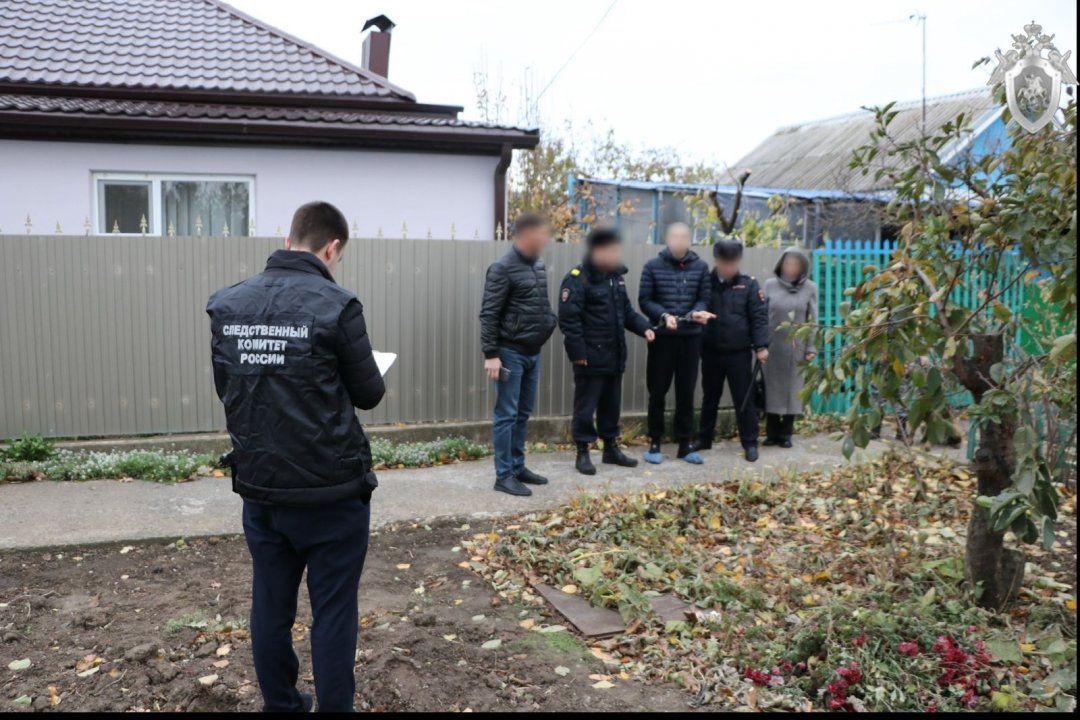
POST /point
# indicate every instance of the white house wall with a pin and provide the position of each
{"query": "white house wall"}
(51, 182)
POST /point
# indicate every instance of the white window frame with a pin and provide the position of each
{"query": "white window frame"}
(154, 225)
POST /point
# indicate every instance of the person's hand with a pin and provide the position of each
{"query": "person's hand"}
(702, 316)
(581, 362)
(762, 354)
(810, 355)
(650, 335)
(492, 366)
(671, 322)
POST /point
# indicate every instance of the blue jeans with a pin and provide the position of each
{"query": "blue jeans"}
(514, 401)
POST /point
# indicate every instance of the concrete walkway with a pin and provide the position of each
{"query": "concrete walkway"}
(48, 514)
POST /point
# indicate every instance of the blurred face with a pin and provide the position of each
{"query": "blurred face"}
(607, 257)
(791, 268)
(727, 268)
(532, 241)
(677, 239)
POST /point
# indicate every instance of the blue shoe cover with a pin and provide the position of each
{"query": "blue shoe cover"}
(694, 459)
(654, 458)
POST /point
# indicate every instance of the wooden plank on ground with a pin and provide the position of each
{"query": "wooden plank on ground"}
(591, 621)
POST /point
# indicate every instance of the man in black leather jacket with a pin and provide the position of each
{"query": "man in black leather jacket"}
(515, 321)
(594, 314)
(291, 359)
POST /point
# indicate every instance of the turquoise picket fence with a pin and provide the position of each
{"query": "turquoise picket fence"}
(840, 264)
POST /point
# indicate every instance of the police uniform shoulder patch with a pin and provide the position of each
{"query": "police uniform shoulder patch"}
(565, 294)
(575, 272)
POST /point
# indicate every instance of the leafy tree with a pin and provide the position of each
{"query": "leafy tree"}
(935, 318)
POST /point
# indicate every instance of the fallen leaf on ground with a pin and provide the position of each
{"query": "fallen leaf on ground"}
(224, 650)
(449, 638)
(492, 644)
(404, 566)
(208, 680)
(18, 665)
(603, 685)
(562, 671)
(527, 624)
(221, 664)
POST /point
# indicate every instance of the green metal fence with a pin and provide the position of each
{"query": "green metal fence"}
(839, 265)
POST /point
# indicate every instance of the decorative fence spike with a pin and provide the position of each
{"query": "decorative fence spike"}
(116, 227)
(453, 231)
(476, 235)
(499, 232)
(198, 225)
(143, 224)
(58, 231)
(29, 225)
(278, 231)
(225, 230)
(251, 229)
(355, 228)
(379, 234)
(429, 233)
(404, 231)
(171, 231)
(86, 225)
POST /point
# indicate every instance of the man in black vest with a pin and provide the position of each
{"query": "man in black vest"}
(738, 334)
(515, 322)
(594, 314)
(673, 294)
(291, 360)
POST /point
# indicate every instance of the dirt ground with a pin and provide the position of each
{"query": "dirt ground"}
(148, 626)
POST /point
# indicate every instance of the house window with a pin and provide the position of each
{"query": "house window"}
(173, 204)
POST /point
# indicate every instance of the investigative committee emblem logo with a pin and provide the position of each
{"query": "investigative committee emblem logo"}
(1033, 71)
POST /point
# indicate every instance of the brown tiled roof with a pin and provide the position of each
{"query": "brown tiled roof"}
(245, 118)
(817, 155)
(192, 45)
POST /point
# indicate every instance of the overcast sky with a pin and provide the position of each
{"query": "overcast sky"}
(709, 78)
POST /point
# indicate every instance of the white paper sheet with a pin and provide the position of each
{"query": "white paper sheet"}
(384, 360)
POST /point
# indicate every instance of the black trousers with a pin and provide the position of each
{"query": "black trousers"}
(672, 357)
(737, 368)
(779, 427)
(331, 542)
(599, 396)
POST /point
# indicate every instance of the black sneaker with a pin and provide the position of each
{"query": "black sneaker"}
(701, 445)
(785, 443)
(528, 477)
(511, 486)
(614, 456)
(751, 453)
(770, 442)
(583, 463)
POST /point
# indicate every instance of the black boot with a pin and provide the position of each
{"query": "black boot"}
(614, 456)
(702, 444)
(584, 462)
(751, 452)
(688, 452)
(528, 476)
(511, 486)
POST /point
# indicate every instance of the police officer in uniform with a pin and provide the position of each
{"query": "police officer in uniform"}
(594, 312)
(291, 359)
(738, 334)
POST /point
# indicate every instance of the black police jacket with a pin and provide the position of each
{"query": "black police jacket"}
(594, 312)
(516, 312)
(674, 287)
(291, 359)
(742, 315)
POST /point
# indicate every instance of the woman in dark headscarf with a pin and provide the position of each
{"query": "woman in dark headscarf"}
(792, 297)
